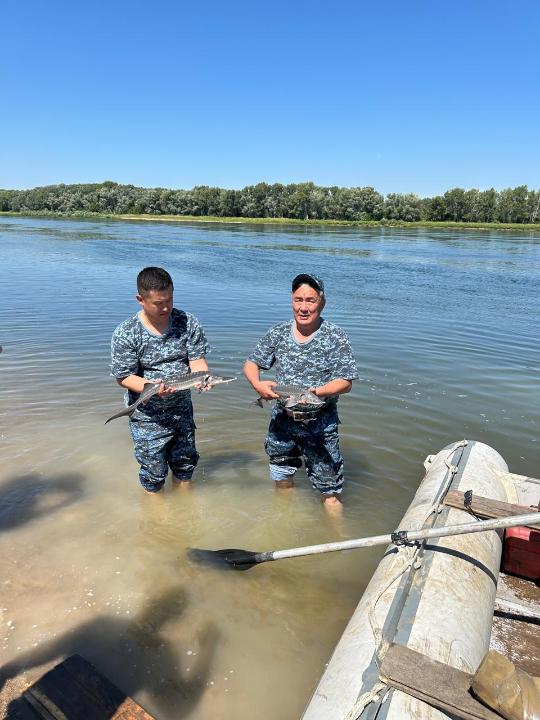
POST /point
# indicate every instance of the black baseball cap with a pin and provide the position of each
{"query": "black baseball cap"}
(312, 280)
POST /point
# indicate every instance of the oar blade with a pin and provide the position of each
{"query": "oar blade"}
(230, 559)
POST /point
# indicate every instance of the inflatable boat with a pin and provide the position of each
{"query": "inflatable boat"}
(436, 598)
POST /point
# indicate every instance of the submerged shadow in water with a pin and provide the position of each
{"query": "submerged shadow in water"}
(357, 466)
(251, 469)
(28, 497)
(210, 466)
(134, 654)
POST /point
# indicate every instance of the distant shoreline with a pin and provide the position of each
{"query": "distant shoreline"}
(446, 224)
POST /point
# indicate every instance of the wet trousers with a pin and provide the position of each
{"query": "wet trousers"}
(316, 440)
(164, 440)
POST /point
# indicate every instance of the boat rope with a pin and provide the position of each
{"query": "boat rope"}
(364, 700)
(454, 468)
(404, 549)
(408, 555)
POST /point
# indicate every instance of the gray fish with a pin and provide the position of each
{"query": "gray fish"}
(204, 378)
(291, 395)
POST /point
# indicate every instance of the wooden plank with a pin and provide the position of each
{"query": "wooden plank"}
(518, 638)
(526, 593)
(520, 610)
(487, 507)
(40, 710)
(20, 709)
(75, 690)
(437, 684)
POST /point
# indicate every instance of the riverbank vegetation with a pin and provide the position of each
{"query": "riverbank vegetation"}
(280, 203)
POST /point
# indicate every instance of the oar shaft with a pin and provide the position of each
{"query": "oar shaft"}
(412, 535)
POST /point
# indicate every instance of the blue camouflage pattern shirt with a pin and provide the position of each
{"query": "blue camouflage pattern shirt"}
(137, 351)
(326, 356)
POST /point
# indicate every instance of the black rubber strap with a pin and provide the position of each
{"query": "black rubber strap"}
(399, 537)
(467, 502)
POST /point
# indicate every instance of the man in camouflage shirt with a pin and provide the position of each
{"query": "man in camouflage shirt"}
(311, 352)
(159, 344)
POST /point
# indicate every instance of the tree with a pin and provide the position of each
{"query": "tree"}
(434, 208)
(513, 205)
(486, 206)
(402, 207)
(456, 204)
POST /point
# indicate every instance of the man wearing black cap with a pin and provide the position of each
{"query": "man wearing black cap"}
(313, 353)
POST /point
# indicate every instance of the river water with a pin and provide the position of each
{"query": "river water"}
(443, 325)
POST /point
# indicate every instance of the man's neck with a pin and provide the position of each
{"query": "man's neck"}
(158, 328)
(304, 332)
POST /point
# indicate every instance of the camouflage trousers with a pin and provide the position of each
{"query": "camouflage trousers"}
(164, 440)
(317, 440)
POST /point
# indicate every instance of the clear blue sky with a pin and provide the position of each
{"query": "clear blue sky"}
(404, 96)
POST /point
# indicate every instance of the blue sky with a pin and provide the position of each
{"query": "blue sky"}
(405, 97)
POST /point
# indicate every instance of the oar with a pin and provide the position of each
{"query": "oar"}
(245, 559)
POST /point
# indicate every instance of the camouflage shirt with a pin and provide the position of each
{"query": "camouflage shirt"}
(137, 351)
(326, 356)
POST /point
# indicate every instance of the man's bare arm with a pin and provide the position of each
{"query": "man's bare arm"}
(253, 375)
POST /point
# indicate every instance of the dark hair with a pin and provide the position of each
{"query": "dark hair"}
(153, 278)
(314, 281)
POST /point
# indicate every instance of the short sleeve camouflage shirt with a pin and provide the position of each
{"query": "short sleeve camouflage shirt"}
(326, 356)
(137, 351)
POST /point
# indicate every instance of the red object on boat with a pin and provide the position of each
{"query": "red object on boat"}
(521, 552)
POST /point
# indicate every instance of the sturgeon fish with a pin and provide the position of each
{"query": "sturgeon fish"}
(202, 378)
(291, 395)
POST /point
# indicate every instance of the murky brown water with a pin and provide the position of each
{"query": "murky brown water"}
(444, 332)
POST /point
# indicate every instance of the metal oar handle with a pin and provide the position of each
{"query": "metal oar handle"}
(404, 536)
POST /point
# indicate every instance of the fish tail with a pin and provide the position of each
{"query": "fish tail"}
(127, 411)
(120, 414)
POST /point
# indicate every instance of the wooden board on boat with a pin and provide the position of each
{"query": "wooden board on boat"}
(516, 633)
(486, 507)
(75, 690)
(440, 685)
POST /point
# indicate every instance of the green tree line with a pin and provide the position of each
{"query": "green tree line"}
(303, 201)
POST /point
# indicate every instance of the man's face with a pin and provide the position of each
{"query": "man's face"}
(157, 305)
(307, 305)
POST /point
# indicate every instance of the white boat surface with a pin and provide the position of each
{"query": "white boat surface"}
(436, 597)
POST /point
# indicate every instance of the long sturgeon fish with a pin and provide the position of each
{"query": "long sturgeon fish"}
(293, 395)
(203, 378)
